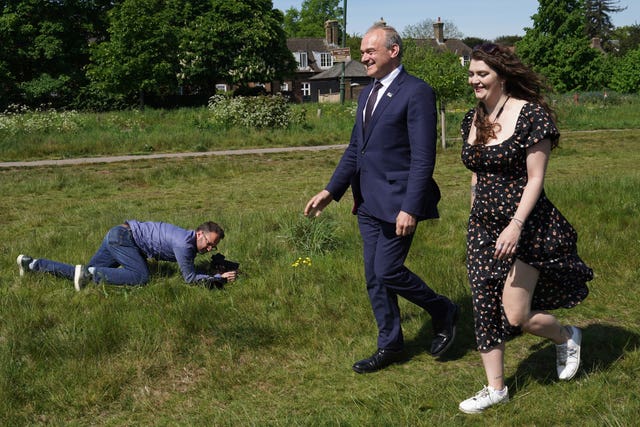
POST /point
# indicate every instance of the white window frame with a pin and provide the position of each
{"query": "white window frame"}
(306, 88)
(303, 60)
(326, 60)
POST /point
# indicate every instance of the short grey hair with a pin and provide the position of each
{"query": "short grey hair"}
(211, 227)
(391, 36)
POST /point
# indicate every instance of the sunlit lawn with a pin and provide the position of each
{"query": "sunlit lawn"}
(276, 347)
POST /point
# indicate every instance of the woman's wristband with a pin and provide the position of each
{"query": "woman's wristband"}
(518, 222)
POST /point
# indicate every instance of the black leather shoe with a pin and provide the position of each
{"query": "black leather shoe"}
(444, 331)
(379, 360)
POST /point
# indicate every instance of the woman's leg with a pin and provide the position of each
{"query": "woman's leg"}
(496, 392)
(493, 362)
(517, 297)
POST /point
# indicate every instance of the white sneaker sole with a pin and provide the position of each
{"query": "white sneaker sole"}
(576, 332)
(19, 261)
(472, 410)
(77, 277)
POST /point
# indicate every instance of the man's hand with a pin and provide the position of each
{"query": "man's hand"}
(230, 275)
(318, 203)
(405, 224)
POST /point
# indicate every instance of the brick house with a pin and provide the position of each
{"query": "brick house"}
(317, 78)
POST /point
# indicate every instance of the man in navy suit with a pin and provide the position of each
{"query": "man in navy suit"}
(389, 165)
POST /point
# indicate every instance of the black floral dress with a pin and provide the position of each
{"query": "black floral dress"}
(547, 241)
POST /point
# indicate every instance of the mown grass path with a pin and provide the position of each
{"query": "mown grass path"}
(114, 159)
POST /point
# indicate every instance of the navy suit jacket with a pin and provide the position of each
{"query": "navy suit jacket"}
(390, 166)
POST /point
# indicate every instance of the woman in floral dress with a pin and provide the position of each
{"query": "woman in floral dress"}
(521, 252)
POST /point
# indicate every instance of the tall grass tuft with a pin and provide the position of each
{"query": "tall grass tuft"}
(314, 236)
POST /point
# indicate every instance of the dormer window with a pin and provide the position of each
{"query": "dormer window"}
(326, 60)
(303, 61)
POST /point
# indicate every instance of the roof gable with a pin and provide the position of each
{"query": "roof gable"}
(308, 45)
(352, 69)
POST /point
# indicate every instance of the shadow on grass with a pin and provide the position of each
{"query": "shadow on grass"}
(464, 342)
(165, 269)
(602, 345)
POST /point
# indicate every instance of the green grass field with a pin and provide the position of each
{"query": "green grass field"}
(276, 347)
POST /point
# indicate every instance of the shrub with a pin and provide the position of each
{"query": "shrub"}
(20, 120)
(626, 75)
(259, 112)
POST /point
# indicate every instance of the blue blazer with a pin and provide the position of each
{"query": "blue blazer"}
(390, 166)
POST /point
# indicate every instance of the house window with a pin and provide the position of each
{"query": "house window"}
(284, 87)
(306, 89)
(302, 60)
(326, 60)
(221, 87)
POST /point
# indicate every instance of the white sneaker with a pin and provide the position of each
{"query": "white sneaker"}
(81, 277)
(485, 398)
(23, 263)
(568, 355)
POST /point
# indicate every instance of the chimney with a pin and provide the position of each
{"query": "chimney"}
(438, 31)
(332, 32)
(596, 44)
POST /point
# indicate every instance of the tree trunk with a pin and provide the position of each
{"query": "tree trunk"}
(443, 124)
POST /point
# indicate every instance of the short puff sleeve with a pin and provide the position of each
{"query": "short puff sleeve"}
(537, 125)
(465, 126)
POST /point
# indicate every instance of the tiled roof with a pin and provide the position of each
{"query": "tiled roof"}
(309, 44)
(352, 69)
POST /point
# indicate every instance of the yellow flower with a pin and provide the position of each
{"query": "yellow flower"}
(303, 261)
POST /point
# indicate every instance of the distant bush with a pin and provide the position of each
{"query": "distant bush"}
(261, 112)
(604, 97)
(21, 120)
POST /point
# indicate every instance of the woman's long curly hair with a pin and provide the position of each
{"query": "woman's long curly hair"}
(519, 82)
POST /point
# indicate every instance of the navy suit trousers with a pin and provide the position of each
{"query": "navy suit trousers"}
(387, 278)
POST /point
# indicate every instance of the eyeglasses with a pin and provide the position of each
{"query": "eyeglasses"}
(489, 48)
(210, 244)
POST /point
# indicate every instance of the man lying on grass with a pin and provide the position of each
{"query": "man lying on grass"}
(122, 257)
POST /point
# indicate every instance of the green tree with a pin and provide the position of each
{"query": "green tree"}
(309, 21)
(598, 22)
(291, 22)
(474, 41)
(44, 48)
(626, 38)
(237, 42)
(557, 47)
(424, 30)
(158, 46)
(626, 73)
(442, 70)
(353, 43)
(140, 57)
(508, 40)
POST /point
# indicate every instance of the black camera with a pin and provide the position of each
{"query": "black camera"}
(221, 265)
(217, 266)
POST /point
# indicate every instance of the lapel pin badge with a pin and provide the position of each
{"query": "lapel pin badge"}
(389, 94)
